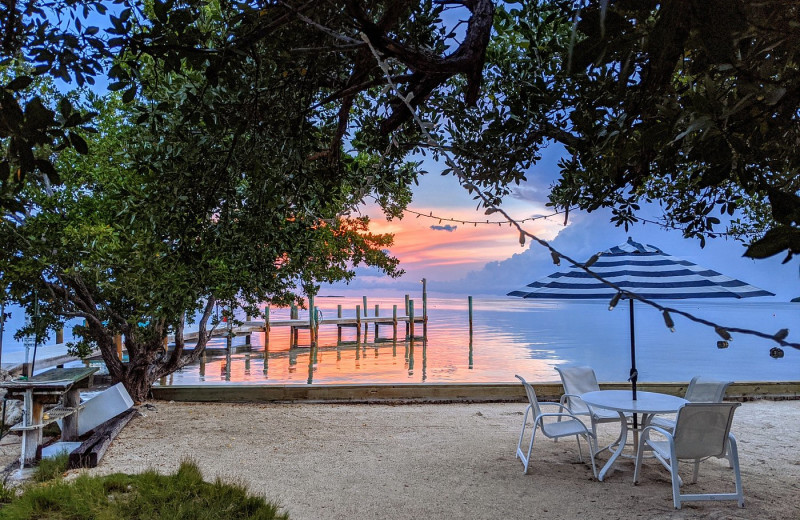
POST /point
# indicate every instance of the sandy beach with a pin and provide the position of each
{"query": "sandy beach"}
(443, 461)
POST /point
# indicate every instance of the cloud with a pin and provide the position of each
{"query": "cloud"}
(447, 227)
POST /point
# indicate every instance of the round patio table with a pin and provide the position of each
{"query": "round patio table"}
(622, 402)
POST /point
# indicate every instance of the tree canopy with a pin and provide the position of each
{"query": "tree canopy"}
(239, 138)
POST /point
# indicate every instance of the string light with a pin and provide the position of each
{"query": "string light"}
(668, 321)
(591, 261)
(614, 301)
(482, 222)
(724, 334)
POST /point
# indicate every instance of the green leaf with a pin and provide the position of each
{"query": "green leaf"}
(37, 115)
(78, 143)
(129, 94)
(19, 83)
(776, 240)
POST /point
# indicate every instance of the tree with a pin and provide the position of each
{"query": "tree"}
(693, 104)
(267, 123)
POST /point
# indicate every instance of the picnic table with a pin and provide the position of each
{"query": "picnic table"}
(55, 386)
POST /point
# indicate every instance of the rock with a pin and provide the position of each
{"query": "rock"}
(13, 412)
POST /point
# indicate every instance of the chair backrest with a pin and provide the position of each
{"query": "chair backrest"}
(578, 380)
(701, 429)
(706, 391)
(531, 396)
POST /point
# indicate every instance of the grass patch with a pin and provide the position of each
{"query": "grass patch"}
(146, 496)
(51, 468)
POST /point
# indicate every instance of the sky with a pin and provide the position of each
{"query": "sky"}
(488, 260)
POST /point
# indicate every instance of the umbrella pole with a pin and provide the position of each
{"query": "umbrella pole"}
(634, 375)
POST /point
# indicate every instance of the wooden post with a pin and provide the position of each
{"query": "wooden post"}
(358, 324)
(31, 439)
(69, 429)
(469, 306)
(266, 326)
(407, 327)
(311, 320)
(338, 327)
(470, 352)
(118, 344)
(377, 313)
(424, 300)
(366, 325)
(394, 322)
(229, 335)
(247, 339)
(293, 333)
(411, 318)
(59, 336)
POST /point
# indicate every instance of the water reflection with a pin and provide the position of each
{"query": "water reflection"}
(529, 338)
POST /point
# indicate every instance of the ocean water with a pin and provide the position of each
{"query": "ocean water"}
(512, 336)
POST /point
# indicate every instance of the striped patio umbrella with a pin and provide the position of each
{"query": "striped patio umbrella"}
(642, 269)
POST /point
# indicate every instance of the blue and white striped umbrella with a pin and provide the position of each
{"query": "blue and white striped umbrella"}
(641, 269)
(644, 270)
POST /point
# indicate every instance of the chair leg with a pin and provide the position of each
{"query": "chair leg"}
(521, 433)
(530, 449)
(592, 450)
(728, 454)
(733, 457)
(676, 481)
(637, 467)
(696, 471)
(580, 451)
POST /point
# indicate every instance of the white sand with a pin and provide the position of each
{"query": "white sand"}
(446, 461)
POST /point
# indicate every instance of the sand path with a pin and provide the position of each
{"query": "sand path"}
(444, 461)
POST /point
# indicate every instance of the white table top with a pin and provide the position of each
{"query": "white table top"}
(622, 401)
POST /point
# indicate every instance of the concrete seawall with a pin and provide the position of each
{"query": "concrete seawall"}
(437, 392)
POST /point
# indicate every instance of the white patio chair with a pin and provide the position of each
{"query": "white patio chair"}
(698, 391)
(702, 431)
(570, 426)
(579, 380)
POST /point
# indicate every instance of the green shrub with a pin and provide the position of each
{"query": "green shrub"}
(146, 496)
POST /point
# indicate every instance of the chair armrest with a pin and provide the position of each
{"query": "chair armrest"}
(560, 406)
(646, 433)
(540, 419)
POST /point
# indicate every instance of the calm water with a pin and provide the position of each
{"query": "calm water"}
(513, 336)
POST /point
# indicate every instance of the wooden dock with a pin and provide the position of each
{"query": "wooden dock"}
(360, 322)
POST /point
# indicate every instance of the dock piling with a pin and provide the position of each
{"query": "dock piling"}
(469, 306)
(338, 327)
(311, 320)
(358, 323)
(377, 314)
(411, 319)
(394, 323)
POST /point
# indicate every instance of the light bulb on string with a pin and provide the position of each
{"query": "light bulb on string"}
(668, 321)
(614, 301)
